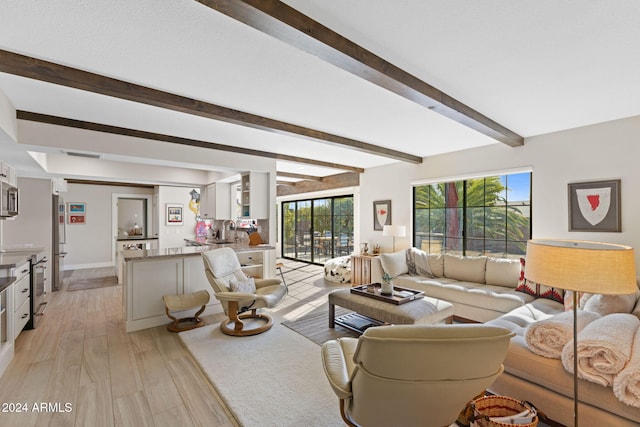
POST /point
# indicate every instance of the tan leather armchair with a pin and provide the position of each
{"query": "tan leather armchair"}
(413, 375)
(223, 270)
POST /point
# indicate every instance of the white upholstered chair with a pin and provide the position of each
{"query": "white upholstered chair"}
(413, 375)
(239, 295)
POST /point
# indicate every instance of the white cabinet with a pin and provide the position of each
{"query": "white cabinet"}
(215, 201)
(21, 298)
(252, 263)
(4, 172)
(125, 246)
(195, 278)
(4, 319)
(152, 280)
(255, 195)
(8, 174)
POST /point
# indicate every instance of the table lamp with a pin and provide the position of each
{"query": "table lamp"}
(579, 266)
(394, 231)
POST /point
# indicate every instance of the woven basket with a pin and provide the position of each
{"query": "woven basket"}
(486, 408)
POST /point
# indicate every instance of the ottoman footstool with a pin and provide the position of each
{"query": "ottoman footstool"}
(426, 310)
(198, 299)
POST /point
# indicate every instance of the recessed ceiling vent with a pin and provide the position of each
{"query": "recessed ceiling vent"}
(87, 155)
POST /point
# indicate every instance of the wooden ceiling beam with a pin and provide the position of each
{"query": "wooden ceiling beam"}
(38, 69)
(285, 23)
(341, 180)
(80, 124)
(299, 176)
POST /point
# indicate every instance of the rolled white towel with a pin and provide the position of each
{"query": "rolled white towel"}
(548, 337)
(626, 385)
(604, 348)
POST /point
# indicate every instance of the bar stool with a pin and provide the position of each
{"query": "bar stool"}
(186, 302)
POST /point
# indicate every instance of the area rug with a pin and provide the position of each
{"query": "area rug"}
(315, 326)
(98, 282)
(272, 379)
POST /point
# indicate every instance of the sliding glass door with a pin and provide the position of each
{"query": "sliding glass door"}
(316, 230)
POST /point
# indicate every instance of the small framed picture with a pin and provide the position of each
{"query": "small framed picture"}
(77, 208)
(174, 214)
(381, 214)
(595, 206)
(76, 219)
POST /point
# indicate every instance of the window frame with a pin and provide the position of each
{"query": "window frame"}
(485, 244)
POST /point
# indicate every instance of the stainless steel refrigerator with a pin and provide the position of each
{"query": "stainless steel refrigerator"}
(58, 242)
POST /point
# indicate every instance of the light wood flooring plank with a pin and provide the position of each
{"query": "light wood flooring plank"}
(205, 407)
(123, 370)
(81, 353)
(159, 387)
(132, 411)
(94, 406)
(173, 417)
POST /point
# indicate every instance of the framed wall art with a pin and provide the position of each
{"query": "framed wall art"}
(76, 212)
(381, 214)
(174, 214)
(76, 219)
(595, 206)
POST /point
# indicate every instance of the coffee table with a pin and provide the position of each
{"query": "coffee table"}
(424, 310)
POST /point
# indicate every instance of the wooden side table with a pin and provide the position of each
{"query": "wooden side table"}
(361, 269)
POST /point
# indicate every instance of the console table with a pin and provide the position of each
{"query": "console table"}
(361, 269)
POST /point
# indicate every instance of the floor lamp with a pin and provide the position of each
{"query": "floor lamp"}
(394, 231)
(597, 268)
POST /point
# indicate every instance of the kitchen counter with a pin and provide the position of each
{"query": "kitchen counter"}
(191, 250)
(11, 260)
(5, 282)
(11, 257)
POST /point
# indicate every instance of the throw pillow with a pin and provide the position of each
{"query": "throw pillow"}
(608, 304)
(502, 272)
(537, 290)
(246, 286)
(466, 268)
(394, 264)
(548, 292)
(436, 264)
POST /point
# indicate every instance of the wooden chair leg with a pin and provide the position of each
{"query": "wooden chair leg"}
(343, 414)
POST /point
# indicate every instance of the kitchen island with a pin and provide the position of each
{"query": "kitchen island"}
(150, 274)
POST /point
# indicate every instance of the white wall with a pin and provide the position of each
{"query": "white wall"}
(34, 224)
(604, 151)
(172, 236)
(89, 245)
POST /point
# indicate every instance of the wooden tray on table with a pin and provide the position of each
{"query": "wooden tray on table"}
(400, 295)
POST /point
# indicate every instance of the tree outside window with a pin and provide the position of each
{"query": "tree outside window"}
(481, 216)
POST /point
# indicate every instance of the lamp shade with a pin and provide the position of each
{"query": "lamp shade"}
(394, 230)
(599, 268)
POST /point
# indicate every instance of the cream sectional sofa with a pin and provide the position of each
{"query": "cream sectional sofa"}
(480, 288)
(483, 289)
(545, 382)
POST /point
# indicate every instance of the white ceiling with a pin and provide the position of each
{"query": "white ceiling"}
(534, 66)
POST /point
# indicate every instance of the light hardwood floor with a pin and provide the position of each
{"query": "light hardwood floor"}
(82, 356)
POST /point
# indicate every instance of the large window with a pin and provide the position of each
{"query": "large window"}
(480, 216)
(317, 230)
